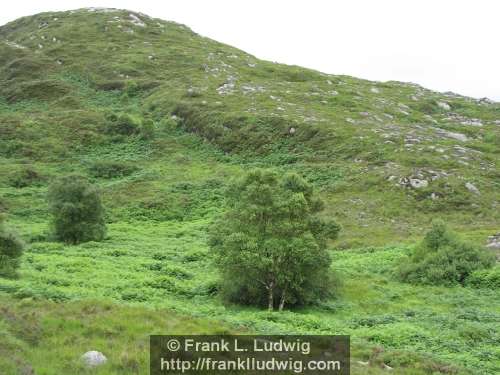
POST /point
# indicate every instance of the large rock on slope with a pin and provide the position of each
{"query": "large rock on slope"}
(93, 358)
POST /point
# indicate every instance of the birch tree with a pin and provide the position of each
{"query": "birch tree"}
(270, 245)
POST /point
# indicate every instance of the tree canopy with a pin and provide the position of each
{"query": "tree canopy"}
(270, 244)
(77, 211)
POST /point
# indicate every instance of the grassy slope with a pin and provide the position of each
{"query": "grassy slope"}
(349, 139)
(31, 329)
(52, 116)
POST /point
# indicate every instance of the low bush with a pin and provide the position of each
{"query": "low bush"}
(177, 272)
(125, 124)
(427, 106)
(442, 259)
(25, 177)
(111, 169)
(11, 249)
(147, 129)
(132, 89)
(488, 278)
(122, 124)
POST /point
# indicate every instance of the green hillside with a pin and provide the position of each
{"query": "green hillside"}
(161, 118)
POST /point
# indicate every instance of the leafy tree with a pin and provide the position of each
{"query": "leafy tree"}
(441, 258)
(11, 249)
(77, 212)
(270, 245)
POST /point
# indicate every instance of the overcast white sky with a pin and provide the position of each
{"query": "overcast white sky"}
(446, 45)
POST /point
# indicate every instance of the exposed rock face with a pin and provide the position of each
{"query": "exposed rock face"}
(486, 101)
(494, 241)
(444, 106)
(228, 86)
(413, 182)
(136, 20)
(472, 188)
(94, 358)
(417, 184)
(15, 45)
(472, 122)
(458, 136)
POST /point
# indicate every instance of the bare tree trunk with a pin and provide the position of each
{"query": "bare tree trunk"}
(282, 300)
(270, 297)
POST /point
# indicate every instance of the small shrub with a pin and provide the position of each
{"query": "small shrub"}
(147, 129)
(168, 124)
(132, 89)
(427, 106)
(159, 256)
(474, 332)
(162, 282)
(111, 169)
(485, 278)
(134, 296)
(25, 177)
(157, 266)
(125, 124)
(42, 293)
(492, 138)
(442, 259)
(122, 124)
(177, 272)
(11, 249)
(193, 256)
(77, 212)
(117, 253)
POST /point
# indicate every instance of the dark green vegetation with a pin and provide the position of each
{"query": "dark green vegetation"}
(77, 212)
(270, 245)
(196, 113)
(442, 258)
(11, 249)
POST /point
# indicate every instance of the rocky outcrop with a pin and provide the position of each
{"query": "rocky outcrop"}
(444, 105)
(494, 242)
(93, 358)
(472, 188)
